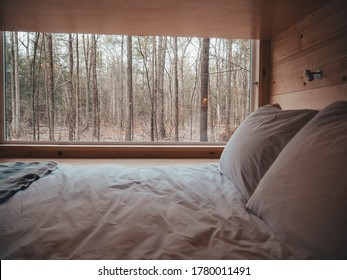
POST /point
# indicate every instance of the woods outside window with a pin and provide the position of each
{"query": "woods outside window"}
(117, 89)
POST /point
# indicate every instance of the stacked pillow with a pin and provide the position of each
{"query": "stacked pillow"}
(257, 142)
(302, 195)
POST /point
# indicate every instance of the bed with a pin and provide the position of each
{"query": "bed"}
(278, 192)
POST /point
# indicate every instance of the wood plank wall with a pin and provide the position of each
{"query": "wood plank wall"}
(319, 42)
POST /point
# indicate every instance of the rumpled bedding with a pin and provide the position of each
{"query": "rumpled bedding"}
(17, 176)
(114, 212)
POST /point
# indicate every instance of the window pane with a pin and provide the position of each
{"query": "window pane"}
(113, 88)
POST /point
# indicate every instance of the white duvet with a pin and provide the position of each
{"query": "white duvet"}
(113, 212)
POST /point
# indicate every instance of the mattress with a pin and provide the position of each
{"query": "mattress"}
(116, 212)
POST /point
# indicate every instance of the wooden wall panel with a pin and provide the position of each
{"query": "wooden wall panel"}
(260, 75)
(316, 43)
(311, 99)
(260, 19)
(319, 26)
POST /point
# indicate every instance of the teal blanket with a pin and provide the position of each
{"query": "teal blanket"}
(17, 176)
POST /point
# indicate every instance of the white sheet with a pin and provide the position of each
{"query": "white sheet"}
(112, 212)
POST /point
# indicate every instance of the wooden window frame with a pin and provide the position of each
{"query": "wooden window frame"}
(127, 150)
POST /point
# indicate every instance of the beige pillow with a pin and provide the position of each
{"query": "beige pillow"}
(303, 196)
(257, 142)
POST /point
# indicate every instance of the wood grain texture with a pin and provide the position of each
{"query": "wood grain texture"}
(334, 73)
(315, 43)
(331, 50)
(316, 98)
(260, 19)
(322, 25)
(110, 151)
(118, 162)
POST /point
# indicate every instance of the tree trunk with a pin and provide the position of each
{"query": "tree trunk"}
(144, 58)
(71, 96)
(15, 95)
(130, 128)
(204, 89)
(176, 88)
(161, 68)
(13, 88)
(192, 97)
(17, 89)
(38, 95)
(154, 94)
(33, 79)
(235, 102)
(78, 92)
(50, 86)
(86, 52)
(228, 98)
(95, 95)
(121, 110)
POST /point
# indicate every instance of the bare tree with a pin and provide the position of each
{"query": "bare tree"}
(120, 98)
(228, 97)
(150, 87)
(130, 128)
(95, 94)
(86, 52)
(154, 93)
(15, 100)
(78, 92)
(13, 86)
(71, 110)
(161, 67)
(176, 89)
(35, 109)
(204, 89)
(50, 85)
(41, 58)
(17, 89)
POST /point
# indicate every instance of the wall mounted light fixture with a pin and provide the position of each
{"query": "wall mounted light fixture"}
(311, 75)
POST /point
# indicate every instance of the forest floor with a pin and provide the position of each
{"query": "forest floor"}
(111, 134)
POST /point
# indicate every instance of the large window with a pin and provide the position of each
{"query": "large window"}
(116, 89)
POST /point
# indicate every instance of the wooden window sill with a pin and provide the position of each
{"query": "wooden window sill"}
(110, 151)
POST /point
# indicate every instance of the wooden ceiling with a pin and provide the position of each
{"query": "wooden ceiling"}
(257, 19)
